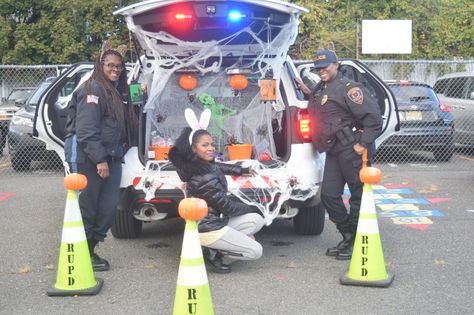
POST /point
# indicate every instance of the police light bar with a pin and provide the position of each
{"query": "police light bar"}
(182, 16)
(236, 16)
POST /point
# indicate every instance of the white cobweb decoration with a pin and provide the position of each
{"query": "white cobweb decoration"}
(269, 200)
(171, 54)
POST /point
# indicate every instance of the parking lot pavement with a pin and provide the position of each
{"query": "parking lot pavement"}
(425, 219)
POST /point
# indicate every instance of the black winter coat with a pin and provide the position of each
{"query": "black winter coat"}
(206, 180)
(99, 135)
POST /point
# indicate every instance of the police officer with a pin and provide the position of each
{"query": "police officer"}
(347, 121)
(95, 144)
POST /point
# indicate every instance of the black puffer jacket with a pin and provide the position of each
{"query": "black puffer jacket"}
(206, 180)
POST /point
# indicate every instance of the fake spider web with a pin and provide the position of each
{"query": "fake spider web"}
(234, 113)
(268, 199)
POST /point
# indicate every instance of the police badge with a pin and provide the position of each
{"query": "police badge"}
(324, 100)
(356, 95)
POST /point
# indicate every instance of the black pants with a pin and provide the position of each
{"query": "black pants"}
(98, 202)
(341, 168)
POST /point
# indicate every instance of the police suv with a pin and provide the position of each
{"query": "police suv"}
(230, 57)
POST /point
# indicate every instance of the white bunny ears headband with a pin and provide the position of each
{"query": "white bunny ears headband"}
(193, 122)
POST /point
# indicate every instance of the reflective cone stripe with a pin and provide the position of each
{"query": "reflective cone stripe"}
(367, 266)
(193, 295)
(74, 273)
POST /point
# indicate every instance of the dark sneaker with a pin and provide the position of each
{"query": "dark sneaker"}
(216, 265)
(99, 264)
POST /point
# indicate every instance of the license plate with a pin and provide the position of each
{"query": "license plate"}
(410, 116)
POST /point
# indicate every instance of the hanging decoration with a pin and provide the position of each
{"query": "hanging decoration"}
(238, 82)
(187, 82)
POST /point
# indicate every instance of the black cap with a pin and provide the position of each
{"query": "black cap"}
(324, 58)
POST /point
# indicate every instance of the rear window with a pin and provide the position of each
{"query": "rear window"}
(237, 114)
(412, 93)
(456, 88)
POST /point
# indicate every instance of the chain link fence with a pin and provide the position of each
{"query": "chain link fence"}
(20, 89)
(436, 110)
(435, 101)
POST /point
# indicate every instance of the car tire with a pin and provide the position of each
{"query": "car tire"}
(126, 226)
(309, 220)
(21, 162)
(443, 154)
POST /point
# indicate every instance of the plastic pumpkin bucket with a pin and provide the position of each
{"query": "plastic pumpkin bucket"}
(240, 151)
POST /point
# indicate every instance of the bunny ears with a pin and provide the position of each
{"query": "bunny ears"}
(194, 123)
(106, 46)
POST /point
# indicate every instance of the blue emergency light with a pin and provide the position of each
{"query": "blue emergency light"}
(235, 16)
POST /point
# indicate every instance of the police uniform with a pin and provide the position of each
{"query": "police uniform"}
(95, 136)
(344, 115)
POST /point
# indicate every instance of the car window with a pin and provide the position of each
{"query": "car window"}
(69, 86)
(19, 94)
(470, 89)
(456, 88)
(412, 93)
(440, 86)
(34, 98)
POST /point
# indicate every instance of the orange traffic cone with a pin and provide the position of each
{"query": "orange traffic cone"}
(367, 266)
(193, 295)
(74, 275)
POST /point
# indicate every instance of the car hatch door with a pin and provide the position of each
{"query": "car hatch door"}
(51, 112)
(358, 72)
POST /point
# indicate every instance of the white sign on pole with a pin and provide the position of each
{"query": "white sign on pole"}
(386, 36)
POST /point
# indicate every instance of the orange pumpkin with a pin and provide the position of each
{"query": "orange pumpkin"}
(75, 181)
(187, 82)
(370, 175)
(238, 82)
(192, 209)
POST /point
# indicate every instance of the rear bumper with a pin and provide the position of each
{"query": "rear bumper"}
(413, 138)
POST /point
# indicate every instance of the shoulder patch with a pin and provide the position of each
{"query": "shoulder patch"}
(92, 99)
(356, 95)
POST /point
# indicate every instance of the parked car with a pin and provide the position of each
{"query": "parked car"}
(23, 147)
(456, 90)
(213, 43)
(425, 123)
(8, 107)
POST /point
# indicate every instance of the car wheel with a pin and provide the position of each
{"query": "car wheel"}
(309, 220)
(443, 154)
(21, 162)
(126, 226)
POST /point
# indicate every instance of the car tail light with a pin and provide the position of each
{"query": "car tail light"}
(136, 181)
(444, 108)
(304, 125)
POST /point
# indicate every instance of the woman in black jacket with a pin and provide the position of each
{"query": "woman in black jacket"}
(229, 226)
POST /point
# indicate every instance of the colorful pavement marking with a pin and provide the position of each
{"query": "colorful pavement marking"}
(5, 195)
(403, 211)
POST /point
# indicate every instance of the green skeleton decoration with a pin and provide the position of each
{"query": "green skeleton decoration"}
(219, 113)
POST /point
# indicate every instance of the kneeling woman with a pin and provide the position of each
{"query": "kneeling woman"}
(229, 226)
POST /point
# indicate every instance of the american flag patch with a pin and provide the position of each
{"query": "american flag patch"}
(92, 99)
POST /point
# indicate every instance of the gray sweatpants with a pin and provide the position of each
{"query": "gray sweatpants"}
(236, 243)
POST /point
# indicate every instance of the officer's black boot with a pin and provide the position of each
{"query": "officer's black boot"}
(98, 263)
(347, 240)
(348, 231)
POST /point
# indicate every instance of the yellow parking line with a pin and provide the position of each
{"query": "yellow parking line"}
(466, 158)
